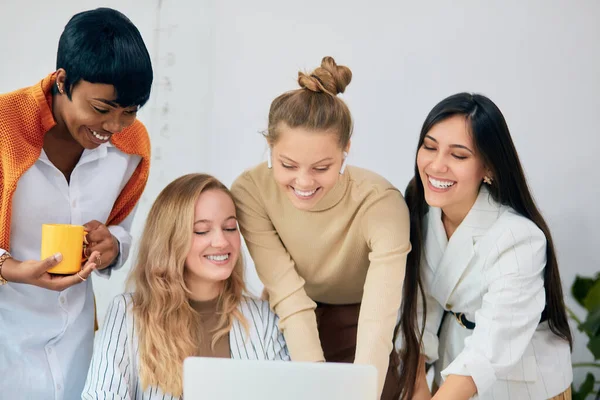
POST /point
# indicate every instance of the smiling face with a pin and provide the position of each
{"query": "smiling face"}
(215, 243)
(306, 164)
(92, 116)
(449, 166)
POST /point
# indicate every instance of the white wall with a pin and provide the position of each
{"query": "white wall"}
(218, 65)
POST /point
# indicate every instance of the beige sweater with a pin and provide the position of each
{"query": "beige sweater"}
(350, 248)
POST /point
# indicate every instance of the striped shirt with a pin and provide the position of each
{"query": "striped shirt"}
(113, 373)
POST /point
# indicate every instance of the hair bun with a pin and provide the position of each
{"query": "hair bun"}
(328, 78)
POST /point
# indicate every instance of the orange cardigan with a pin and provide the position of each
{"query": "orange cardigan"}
(25, 117)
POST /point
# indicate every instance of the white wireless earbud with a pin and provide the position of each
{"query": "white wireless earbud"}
(269, 162)
(344, 163)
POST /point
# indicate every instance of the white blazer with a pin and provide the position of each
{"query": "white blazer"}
(113, 373)
(491, 270)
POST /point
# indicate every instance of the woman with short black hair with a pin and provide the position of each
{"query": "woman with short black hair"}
(72, 152)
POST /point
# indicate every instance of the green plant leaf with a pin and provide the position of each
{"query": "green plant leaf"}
(585, 389)
(591, 325)
(581, 287)
(586, 292)
(594, 346)
(592, 299)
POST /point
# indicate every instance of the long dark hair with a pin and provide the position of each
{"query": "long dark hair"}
(493, 142)
(410, 352)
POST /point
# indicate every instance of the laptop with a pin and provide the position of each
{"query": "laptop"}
(226, 379)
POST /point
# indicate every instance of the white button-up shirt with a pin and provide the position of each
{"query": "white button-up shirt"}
(46, 337)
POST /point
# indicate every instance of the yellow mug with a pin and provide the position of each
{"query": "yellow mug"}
(67, 240)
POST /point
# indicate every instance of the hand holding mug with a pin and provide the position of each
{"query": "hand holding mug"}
(36, 273)
(100, 240)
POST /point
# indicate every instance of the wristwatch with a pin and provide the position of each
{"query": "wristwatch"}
(3, 258)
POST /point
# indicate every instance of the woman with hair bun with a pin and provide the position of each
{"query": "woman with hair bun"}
(329, 241)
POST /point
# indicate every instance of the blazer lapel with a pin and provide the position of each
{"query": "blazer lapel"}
(452, 264)
(436, 241)
(460, 248)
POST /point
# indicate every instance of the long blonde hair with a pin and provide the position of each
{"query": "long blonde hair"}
(167, 326)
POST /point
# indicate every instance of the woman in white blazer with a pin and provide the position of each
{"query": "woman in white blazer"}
(495, 321)
(188, 300)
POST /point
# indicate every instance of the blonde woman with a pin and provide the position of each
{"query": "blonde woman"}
(188, 300)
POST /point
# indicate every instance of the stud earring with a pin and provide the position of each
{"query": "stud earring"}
(59, 89)
(344, 163)
(487, 180)
(269, 162)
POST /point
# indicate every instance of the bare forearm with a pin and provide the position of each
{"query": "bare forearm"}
(9, 266)
(421, 393)
(456, 387)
